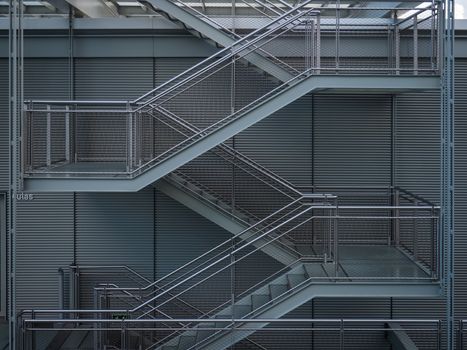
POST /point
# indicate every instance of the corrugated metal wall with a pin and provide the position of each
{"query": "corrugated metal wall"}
(45, 224)
(461, 188)
(4, 151)
(44, 243)
(351, 136)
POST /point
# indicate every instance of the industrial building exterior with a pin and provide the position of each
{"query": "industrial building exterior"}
(246, 174)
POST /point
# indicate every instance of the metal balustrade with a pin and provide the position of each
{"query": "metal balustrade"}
(370, 236)
(124, 139)
(335, 333)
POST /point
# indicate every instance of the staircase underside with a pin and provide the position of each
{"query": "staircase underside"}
(67, 177)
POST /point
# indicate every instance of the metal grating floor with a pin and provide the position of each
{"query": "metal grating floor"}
(385, 262)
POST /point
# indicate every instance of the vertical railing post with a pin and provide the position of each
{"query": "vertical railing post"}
(48, 156)
(397, 218)
(30, 141)
(415, 45)
(129, 148)
(341, 335)
(123, 340)
(433, 243)
(397, 53)
(67, 135)
(318, 44)
(338, 21)
(336, 239)
(415, 231)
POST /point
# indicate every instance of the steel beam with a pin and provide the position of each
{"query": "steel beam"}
(94, 8)
(398, 338)
(328, 290)
(216, 34)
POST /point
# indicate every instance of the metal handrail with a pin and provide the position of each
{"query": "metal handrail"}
(225, 257)
(238, 235)
(227, 51)
(238, 155)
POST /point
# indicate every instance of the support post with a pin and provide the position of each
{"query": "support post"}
(448, 166)
(415, 45)
(67, 136)
(49, 138)
(15, 104)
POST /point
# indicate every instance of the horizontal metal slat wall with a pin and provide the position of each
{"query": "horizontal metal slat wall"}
(45, 224)
(181, 236)
(108, 79)
(4, 125)
(461, 188)
(283, 142)
(352, 140)
(417, 143)
(416, 169)
(115, 229)
(44, 243)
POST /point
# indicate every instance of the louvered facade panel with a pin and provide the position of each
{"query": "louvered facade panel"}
(114, 229)
(103, 136)
(4, 125)
(461, 188)
(44, 243)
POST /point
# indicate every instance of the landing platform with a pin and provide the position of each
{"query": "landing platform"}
(379, 262)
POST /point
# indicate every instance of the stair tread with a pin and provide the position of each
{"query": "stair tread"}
(277, 290)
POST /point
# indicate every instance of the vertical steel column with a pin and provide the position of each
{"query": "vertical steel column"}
(447, 165)
(49, 138)
(67, 136)
(397, 47)
(318, 44)
(129, 149)
(415, 45)
(15, 103)
(338, 22)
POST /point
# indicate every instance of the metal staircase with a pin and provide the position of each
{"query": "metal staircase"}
(142, 154)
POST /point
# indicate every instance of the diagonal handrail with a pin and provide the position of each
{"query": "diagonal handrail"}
(244, 43)
(232, 251)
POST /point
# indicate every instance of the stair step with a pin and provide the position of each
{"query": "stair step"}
(296, 279)
(241, 310)
(259, 300)
(315, 270)
(203, 334)
(186, 341)
(277, 290)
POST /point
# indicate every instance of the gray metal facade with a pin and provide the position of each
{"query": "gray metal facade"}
(321, 140)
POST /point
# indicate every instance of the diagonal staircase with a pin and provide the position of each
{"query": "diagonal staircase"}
(183, 90)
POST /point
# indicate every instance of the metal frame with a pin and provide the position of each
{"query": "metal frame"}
(16, 99)
(448, 166)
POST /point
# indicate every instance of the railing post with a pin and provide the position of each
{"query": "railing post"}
(67, 135)
(30, 141)
(318, 44)
(129, 148)
(440, 332)
(48, 155)
(341, 335)
(123, 339)
(415, 45)
(336, 239)
(397, 37)
(397, 219)
(415, 231)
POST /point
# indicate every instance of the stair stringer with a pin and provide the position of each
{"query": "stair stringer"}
(310, 290)
(224, 220)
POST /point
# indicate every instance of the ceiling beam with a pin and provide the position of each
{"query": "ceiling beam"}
(94, 8)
